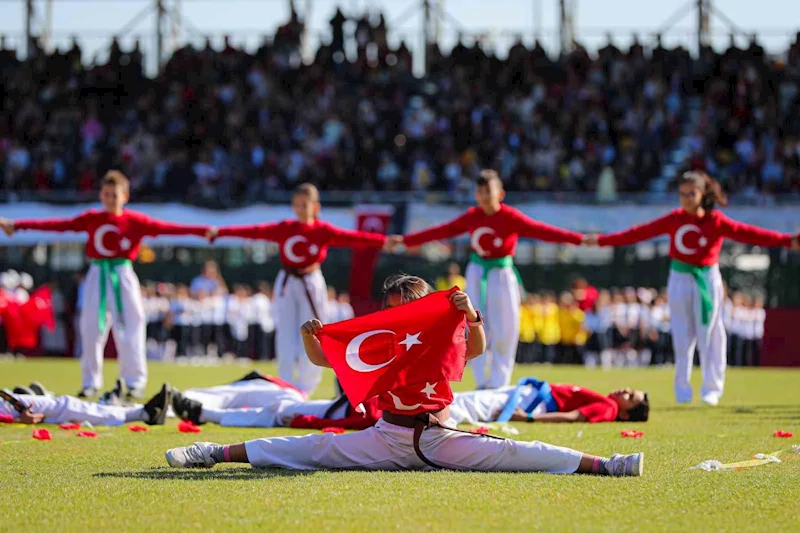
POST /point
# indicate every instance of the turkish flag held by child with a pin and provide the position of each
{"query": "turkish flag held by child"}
(23, 321)
(406, 354)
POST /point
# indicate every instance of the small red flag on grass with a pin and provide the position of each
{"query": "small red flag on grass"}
(629, 433)
(137, 428)
(186, 426)
(69, 426)
(42, 434)
(6, 418)
(88, 434)
(783, 434)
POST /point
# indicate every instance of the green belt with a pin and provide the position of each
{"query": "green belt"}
(488, 265)
(108, 272)
(699, 275)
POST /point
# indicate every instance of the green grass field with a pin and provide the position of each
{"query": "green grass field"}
(120, 481)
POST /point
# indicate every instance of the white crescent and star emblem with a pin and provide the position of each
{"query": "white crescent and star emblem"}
(476, 238)
(100, 234)
(288, 248)
(429, 389)
(352, 355)
(373, 224)
(400, 406)
(681, 233)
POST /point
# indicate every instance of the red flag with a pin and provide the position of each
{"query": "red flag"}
(373, 219)
(410, 353)
(23, 322)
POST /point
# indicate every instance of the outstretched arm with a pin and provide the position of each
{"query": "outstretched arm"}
(311, 343)
(77, 223)
(476, 336)
(355, 239)
(154, 227)
(570, 416)
(265, 232)
(533, 229)
(639, 233)
(747, 234)
(436, 233)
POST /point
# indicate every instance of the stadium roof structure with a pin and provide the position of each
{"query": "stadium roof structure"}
(170, 22)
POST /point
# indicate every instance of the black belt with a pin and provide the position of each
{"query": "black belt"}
(423, 421)
(301, 275)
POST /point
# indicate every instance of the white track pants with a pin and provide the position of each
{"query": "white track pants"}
(688, 332)
(501, 316)
(292, 309)
(64, 409)
(389, 447)
(129, 333)
(252, 403)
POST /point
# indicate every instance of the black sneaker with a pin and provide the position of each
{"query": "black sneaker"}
(39, 389)
(156, 407)
(133, 394)
(87, 393)
(112, 397)
(186, 408)
(24, 390)
(253, 375)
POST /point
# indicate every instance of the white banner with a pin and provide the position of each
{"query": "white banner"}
(605, 219)
(179, 213)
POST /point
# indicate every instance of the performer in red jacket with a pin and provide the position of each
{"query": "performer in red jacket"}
(300, 291)
(492, 280)
(112, 296)
(695, 289)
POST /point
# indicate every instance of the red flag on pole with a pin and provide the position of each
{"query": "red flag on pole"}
(407, 354)
(374, 219)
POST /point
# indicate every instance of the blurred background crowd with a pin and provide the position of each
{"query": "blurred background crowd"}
(230, 125)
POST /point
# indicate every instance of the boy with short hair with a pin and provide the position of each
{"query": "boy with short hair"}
(112, 294)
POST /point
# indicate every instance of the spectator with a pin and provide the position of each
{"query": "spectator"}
(209, 281)
(452, 278)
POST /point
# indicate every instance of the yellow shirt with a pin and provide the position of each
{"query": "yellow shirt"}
(550, 330)
(530, 318)
(444, 283)
(571, 322)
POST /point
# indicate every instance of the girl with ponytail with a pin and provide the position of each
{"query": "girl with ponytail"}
(697, 230)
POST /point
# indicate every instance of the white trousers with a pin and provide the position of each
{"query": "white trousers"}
(689, 332)
(389, 447)
(252, 403)
(64, 409)
(478, 406)
(501, 316)
(292, 309)
(129, 333)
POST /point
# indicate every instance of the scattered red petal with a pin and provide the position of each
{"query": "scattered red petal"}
(88, 434)
(783, 434)
(482, 430)
(69, 426)
(188, 427)
(42, 434)
(5, 418)
(632, 434)
(137, 429)
(333, 429)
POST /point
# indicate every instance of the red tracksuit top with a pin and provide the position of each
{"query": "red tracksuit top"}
(303, 245)
(697, 240)
(494, 236)
(112, 236)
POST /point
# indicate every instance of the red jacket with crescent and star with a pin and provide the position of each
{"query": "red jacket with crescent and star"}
(112, 236)
(494, 236)
(303, 245)
(696, 240)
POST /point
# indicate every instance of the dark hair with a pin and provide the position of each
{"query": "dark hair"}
(713, 194)
(487, 176)
(409, 288)
(641, 412)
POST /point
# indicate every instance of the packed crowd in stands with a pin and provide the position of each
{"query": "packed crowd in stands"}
(231, 125)
(583, 325)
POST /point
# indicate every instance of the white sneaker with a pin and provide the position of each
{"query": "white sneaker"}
(625, 465)
(711, 399)
(198, 455)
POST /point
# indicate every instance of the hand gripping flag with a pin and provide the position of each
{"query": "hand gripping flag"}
(421, 342)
